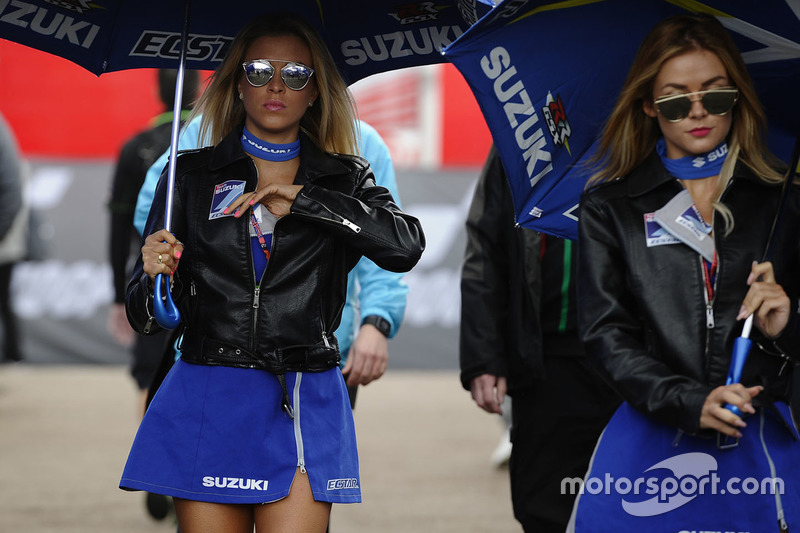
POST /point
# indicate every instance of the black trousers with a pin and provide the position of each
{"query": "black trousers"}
(11, 351)
(554, 429)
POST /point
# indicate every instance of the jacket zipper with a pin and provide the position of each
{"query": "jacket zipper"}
(710, 323)
(298, 435)
(257, 282)
(782, 524)
(353, 226)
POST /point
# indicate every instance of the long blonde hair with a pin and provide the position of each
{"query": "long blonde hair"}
(330, 122)
(629, 135)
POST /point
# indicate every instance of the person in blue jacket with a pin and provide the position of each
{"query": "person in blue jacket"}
(376, 295)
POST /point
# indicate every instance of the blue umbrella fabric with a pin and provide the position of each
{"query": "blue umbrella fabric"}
(365, 36)
(547, 74)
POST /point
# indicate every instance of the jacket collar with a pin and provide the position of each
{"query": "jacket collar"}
(314, 162)
(652, 174)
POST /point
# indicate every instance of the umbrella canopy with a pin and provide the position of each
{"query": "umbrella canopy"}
(364, 36)
(547, 74)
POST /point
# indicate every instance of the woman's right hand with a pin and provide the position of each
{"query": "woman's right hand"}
(161, 253)
(714, 414)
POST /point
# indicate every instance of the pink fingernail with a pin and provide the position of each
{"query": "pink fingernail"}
(177, 254)
(251, 202)
(742, 313)
(236, 213)
(225, 211)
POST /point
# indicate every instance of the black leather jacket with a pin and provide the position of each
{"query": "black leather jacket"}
(505, 297)
(287, 320)
(643, 313)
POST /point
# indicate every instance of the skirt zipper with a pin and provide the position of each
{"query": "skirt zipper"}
(782, 524)
(298, 435)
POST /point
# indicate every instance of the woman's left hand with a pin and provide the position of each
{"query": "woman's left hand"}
(276, 197)
(766, 299)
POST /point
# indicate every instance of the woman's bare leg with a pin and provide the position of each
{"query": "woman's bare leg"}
(201, 517)
(297, 513)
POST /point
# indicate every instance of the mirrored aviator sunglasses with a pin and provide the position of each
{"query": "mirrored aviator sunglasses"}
(717, 101)
(294, 75)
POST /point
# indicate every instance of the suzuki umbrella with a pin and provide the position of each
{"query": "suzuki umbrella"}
(364, 37)
(547, 74)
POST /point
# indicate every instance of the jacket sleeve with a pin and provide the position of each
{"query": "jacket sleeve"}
(189, 139)
(615, 335)
(10, 178)
(370, 221)
(484, 290)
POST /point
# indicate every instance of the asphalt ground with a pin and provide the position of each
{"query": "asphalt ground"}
(424, 448)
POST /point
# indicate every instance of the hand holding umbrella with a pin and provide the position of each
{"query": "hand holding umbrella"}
(772, 308)
(741, 348)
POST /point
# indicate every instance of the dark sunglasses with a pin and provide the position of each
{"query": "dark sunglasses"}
(717, 101)
(295, 75)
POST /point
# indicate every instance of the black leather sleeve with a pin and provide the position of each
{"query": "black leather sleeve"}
(484, 277)
(369, 220)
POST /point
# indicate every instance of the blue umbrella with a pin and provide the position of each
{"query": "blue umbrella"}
(364, 37)
(547, 74)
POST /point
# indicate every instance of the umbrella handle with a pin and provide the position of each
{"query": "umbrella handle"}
(741, 348)
(167, 314)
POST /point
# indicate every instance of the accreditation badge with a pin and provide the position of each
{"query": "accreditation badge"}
(224, 194)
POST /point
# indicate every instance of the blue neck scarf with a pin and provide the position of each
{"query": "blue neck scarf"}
(693, 167)
(269, 151)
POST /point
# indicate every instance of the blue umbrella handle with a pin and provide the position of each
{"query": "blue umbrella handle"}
(741, 348)
(167, 314)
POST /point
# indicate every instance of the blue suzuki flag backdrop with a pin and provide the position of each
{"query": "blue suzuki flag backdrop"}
(364, 36)
(547, 74)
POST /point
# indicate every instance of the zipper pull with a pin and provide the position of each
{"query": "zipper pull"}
(352, 226)
(325, 340)
(192, 289)
(782, 524)
(256, 294)
(149, 325)
(709, 317)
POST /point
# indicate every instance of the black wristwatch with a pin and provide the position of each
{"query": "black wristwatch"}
(379, 322)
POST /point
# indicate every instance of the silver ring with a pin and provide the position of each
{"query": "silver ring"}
(159, 259)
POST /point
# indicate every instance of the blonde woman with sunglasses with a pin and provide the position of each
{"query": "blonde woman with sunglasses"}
(252, 427)
(672, 231)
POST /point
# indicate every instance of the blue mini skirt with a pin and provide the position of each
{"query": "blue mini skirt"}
(218, 434)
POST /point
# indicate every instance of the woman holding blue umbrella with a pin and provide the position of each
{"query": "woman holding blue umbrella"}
(266, 225)
(671, 234)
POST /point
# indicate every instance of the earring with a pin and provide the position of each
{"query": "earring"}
(310, 103)
(241, 96)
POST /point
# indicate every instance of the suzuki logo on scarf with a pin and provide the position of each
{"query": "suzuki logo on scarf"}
(46, 22)
(710, 157)
(517, 105)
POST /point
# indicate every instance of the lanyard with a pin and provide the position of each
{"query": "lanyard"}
(709, 274)
(261, 240)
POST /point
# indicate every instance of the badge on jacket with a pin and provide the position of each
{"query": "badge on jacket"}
(224, 195)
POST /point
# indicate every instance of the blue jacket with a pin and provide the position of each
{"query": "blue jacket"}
(381, 293)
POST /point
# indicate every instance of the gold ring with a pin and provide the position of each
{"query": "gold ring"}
(159, 259)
